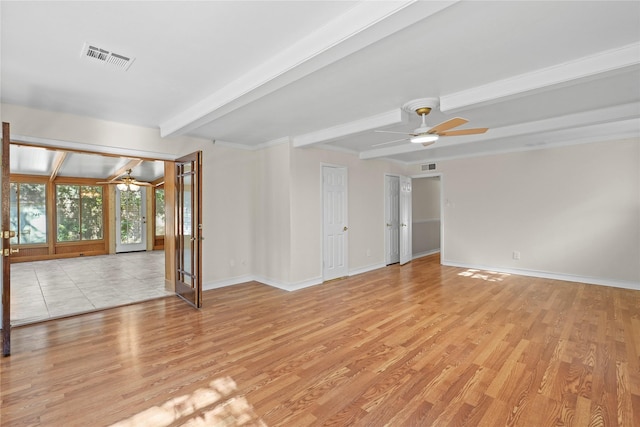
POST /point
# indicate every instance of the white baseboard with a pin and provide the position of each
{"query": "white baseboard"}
(427, 253)
(289, 286)
(365, 269)
(227, 282)
(547, 275)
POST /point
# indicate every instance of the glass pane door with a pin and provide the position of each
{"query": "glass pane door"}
(131, 221)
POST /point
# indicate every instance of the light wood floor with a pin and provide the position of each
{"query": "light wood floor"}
(419, 345)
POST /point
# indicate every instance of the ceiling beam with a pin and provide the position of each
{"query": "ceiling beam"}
(599, 65)
(359, 27)
(619, 113)
(388, 118)
(57, 164)
(130, 165)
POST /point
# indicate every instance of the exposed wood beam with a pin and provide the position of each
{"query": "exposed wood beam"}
(158, 182)
(57, 164)
(132, 164)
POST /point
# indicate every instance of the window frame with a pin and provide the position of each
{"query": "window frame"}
(80, 183)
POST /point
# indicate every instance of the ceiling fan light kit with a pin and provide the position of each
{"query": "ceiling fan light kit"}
(427, 135)
(424, 139)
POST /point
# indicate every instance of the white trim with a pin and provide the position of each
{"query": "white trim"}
(228, 282)
(598, 65)
(619, 121)
(548, 275)
(290, 287)
(366, 269)
(387, 118)
(426, 253)
(365, 23)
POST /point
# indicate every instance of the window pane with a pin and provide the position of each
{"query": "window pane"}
(13, 212)
(32, 213)
(131, 217)
(91, 197)
(159, 212)
(68, 212)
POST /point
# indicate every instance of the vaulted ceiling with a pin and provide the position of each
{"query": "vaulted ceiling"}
(320, 73)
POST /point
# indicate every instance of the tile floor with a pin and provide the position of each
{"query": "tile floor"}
(48, 289)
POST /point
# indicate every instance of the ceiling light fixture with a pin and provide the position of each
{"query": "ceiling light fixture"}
(424, 139)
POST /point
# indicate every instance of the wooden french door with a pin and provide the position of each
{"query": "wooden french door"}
(188, 214)
(6, 246)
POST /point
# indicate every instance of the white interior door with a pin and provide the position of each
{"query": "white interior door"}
(334, 220)
(131, 221)
(392, 219)
(406, 247)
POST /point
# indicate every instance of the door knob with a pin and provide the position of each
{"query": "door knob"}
(388, 225)
(345, 228)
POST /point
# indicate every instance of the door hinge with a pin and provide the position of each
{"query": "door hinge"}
(8, 234)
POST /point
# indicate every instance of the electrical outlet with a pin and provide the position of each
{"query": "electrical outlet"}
(368, 252)
(516, 255)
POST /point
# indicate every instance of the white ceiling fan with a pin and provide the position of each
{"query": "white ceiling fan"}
(427, 135)
(127, 182)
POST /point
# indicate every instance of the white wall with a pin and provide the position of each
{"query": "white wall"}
(365, 180)
(271, 216)
(572, 212)
(425, 228)
(228, 215)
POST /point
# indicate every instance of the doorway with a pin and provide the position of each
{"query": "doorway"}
(398, 219)
(427, 215)
(131, 220)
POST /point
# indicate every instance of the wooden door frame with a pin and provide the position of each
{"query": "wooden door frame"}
(6, 264)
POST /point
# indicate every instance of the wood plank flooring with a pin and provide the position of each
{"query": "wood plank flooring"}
(418, 345)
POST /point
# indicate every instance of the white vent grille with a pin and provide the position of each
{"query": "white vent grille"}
(106, 56)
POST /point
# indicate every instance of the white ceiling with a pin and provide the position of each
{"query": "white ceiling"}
(326, 73)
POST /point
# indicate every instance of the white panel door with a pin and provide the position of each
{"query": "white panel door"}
(392, 219)
(131, 221)
(406, 247)
(334, 221)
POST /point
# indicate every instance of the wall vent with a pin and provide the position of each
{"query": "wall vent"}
(428, 167)
(106, 57)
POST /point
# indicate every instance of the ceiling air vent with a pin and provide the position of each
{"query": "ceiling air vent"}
(429, 167)
(106, 56)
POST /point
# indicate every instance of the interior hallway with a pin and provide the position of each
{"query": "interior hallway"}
(42, 290)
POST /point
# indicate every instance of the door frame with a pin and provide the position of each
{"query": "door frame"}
(6, 245)
(142, 246)
(322, 224)
(442, 205)
(101, 150)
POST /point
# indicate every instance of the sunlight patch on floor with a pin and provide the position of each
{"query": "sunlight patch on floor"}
(212, 406)
(489, 276)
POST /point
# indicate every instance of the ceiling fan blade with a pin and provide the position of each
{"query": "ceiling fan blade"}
(388, 131)
(451, 123)
(389, 142)
(464, 132)
(144, 184)
(110, 182)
